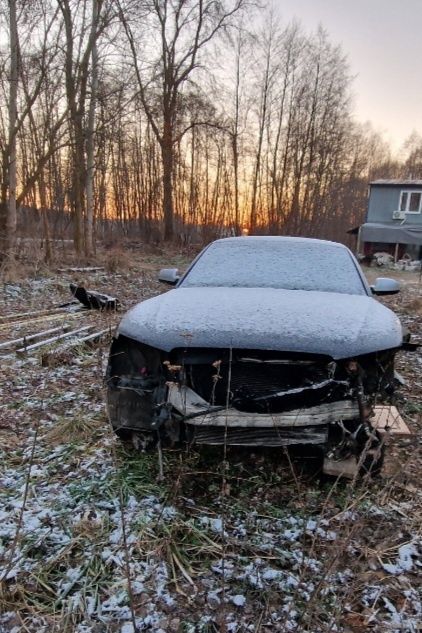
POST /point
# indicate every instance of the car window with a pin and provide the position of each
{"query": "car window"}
(276, 264)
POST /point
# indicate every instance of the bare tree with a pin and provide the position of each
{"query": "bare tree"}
(90, 147)
(8, 216)
(176, 140)
(412, 149)
(81, 39)
(28, 78)
(182, 28)
(235, 131)
(267, 72)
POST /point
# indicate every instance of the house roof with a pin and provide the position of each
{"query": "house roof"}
(393, 182)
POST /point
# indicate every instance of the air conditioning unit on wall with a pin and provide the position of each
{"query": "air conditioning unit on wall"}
(399, 215)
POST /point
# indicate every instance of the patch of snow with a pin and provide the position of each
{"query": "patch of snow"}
(215, 524)
(137, 587)
(223, 567)
(168, 513)
(292, 535)
(238, 600)
(270, 574)
(404, 561)
(213, 598)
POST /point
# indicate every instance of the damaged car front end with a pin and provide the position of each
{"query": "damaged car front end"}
(275, 364)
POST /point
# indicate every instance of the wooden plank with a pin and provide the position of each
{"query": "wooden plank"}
(23, 340)
(28, 315)
(340, 468)
(388, 419)
(51, 317)
(88, 269)
(189, 403)
(49, 341)
(95, 337)
(58, 355)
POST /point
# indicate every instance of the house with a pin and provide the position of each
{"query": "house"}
(393, 221)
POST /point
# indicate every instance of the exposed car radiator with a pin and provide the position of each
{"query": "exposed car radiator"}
(268, 386)
(259, 436)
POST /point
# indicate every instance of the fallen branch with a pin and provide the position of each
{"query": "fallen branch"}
(31, 348)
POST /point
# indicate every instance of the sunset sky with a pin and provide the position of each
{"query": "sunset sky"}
(383, 42)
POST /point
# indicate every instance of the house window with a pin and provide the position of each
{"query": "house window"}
(411, 201)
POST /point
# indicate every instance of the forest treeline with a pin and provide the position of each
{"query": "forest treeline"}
(178, 120)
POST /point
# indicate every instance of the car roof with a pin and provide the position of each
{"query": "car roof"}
(279, 238)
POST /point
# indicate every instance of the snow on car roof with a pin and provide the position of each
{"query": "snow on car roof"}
(281, 238)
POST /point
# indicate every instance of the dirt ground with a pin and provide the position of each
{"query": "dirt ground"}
(92, 541)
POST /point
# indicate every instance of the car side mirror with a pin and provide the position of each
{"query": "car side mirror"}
(169, 276)
(385, 286)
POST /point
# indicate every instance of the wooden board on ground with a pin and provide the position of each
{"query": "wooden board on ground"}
(341, 468)
(24, 340)
(387, 419)
(51, 317)
(49, 341)
(65, 352)
(24, 316)
(88, 269)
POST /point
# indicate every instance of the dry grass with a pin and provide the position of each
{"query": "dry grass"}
(101, 543)
(116, 259)
(73, 429)
(191, 525)
(415, 306)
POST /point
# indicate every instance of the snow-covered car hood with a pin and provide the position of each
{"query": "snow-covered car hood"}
(338, 325)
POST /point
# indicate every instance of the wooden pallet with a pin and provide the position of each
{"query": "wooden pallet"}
(387, 419)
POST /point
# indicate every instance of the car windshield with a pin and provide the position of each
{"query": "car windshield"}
(291, 265)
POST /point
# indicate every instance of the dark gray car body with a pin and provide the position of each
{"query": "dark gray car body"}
(338, 324)
(264, 318)
(287, 327)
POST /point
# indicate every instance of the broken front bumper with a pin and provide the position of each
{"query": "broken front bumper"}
(218, 425)
(306, 426)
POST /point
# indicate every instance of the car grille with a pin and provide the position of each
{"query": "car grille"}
(266, 384)
(261, 379)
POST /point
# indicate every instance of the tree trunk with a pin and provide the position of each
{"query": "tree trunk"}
(45, 222)
(261, 127)
(89, 184)
(167, 157)
(78, 185)
(9, 187)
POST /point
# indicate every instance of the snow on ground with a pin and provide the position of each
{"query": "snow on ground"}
(91, 541)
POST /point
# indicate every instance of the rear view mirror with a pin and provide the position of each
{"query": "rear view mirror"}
(385, 286)
(169, 276)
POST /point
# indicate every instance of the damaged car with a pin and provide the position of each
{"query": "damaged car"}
(263, 341)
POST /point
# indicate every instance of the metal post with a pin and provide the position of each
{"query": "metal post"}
(358, 242)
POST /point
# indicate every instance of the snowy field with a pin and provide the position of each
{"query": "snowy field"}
(91, 541)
